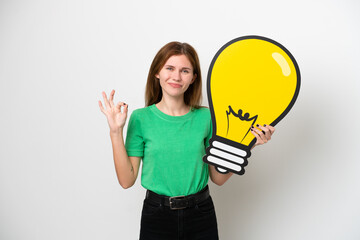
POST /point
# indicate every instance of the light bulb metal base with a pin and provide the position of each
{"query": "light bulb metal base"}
(227, 156)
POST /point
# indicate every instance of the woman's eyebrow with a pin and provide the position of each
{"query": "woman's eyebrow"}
(168, 65)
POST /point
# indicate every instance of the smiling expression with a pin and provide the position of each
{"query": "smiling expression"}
(176, 76)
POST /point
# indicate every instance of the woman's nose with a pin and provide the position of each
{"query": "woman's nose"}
(176, 75)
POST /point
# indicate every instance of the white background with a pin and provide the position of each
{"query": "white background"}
(57, 176)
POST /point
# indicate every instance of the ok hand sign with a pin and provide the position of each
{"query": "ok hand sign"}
(116, 119)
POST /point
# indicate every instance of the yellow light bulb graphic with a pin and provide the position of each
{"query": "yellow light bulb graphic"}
(251, 80)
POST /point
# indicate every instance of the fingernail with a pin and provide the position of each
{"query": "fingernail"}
(252, 126)
(264, 125)
(263, 132)
(251, 129)
(257, 125)
(125, 104)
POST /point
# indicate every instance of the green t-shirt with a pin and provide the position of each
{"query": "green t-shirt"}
(171, 148)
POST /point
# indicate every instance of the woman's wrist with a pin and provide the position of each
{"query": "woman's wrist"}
(117, 132)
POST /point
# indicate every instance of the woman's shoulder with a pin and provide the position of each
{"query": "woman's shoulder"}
(203, 111)
(141, 111)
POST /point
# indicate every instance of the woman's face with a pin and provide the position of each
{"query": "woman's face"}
(176, 76)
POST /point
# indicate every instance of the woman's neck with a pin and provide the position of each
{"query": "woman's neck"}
(173, 107)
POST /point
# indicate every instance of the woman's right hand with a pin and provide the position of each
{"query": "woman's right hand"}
(116, 119)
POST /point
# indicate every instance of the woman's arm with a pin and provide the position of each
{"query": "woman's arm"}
(218, 178)
(127, 168)
(263, 135)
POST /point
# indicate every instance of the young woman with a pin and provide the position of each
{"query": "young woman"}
(170, 135)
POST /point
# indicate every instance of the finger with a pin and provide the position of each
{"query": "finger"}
(271, 128)
(101, 107)
(260, 133)
(258, 138)
(126, 108)
(265, 130)
(112, 97)
(106, 102)
(119, 105)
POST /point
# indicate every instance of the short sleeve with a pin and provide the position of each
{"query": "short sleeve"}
(209, 135)
(134, 143)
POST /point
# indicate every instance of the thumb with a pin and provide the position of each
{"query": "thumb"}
(118, 106)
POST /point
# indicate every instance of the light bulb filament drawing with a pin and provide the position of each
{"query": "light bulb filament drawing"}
(239, 115)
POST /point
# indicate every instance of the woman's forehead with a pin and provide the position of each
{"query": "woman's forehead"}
(179, 61)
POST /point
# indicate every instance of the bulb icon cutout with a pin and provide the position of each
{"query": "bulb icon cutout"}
(251, 80)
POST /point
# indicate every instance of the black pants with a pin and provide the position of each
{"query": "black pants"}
(159, 222)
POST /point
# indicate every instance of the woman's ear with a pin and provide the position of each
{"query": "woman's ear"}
(194, 78)
(157, 76)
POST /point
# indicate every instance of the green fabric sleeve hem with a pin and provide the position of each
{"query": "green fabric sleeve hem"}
(135, 153)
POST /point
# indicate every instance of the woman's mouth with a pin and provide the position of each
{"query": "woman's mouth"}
(175, 85)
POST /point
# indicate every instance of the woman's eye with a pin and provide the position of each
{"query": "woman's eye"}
(186, 71)
(169, 68)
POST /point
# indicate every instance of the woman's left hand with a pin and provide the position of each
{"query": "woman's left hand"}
(262, 133)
